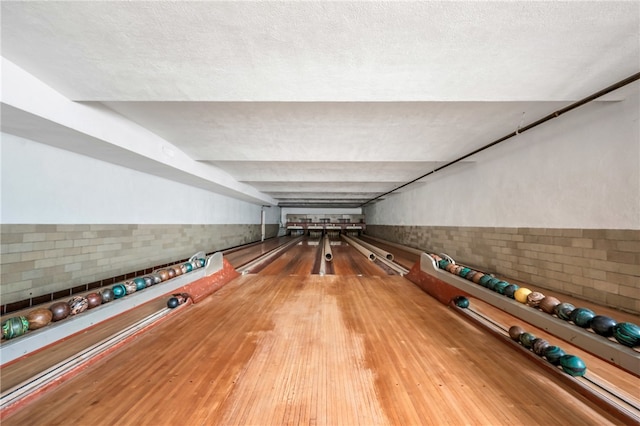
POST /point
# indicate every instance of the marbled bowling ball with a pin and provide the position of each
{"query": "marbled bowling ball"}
(119, 290)
(188, 267)
(540, 346)
(164, 274)
(202, 261)
(442, 263)
(172, 303)
(500, 286)
(157, 279)
(456, 269)
(485, 280)
(515, 331)
(534, 298)
(14, 327)
(464, 271)
(491, 284)
(107, 295)
(627, 334)
(171, 272)
(94, 299)
(39, 318)
(140, 283)
(582, 317)
(563, 310)
(59, 311)
(461, 301)
(510, 290)
(130, 286)
(548, 304)
(477, 277)
(77, 305)
(521, 294)
(148, 281)
(471, 274)
(603, 325)
(527, 339)
(573, 365)
(553, 354)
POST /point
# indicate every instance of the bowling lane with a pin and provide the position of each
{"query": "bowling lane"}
(401, 257)
(322, 350)
(348, 261)
(242, 255)
(298, 260)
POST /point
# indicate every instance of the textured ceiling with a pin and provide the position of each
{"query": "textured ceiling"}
(325, 103)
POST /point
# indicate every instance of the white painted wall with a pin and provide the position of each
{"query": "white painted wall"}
(581, 170)
(46, 185)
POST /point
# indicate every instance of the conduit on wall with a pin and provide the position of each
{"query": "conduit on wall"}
(520, 130)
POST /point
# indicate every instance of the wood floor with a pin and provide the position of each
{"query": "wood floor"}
(287, 347)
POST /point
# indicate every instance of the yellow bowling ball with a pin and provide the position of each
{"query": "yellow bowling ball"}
(521, 294)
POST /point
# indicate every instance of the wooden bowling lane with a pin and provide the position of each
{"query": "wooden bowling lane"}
(401, 257)
(348, 261)
(314, 350)
(298, 260)
(239, 256)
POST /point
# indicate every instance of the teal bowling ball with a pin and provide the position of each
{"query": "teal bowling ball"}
(627, 333)
(484, 280)
(527, 339)
(553, 354)
(443, 263)
(563, 310)
(491, 284)
(582, 317)
(461, 302)
(202, 262)
(500, 287)
(119, 290)
(510, 290)
(140, 284)
(15, 327)
(188, 267)
(463, 272)
(603, 325)
(573, 365)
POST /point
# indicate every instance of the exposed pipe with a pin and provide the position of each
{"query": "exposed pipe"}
(328, 255)
(375, 249)
(551, 116)
(358, 247)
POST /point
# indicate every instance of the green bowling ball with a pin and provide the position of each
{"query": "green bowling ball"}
(15, 327)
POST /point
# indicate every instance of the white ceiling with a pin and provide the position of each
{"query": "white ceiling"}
(325, 103)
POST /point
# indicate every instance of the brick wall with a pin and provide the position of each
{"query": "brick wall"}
(40, 260)
(599, 265)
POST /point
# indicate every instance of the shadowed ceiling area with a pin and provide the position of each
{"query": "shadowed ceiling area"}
(323, 104)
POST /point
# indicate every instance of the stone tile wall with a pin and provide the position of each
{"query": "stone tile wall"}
(40, 262)
(600, 265)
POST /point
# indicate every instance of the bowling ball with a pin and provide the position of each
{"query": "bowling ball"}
(130, 286)
(94, 299)
(463, 272)
(573, 365)
(627, 334)
(188, 267)
(510, 290)
(515, 331)
(521, 294)
(14, 327)
(164, 274)
(195, 264)
(456, 269)
(77, 305)
(477, 277)
(603, 325)
(484, 280)
(178, 270)
(442, 263)
(491, 283)
(172, 303)
(500, 287)
(461, 301)
(39, 318)
(107, 295)
(548, 304)
(202, 261)
(59, 311)
(148, 280)
(534, 298)
(527, 339)
(171, 272)
(157, 279)
(563, 310)
(140, 283)
(471, 274)
(582, 317)
(436, 257)
(553, 354)
(119, 290)
(540, 346)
